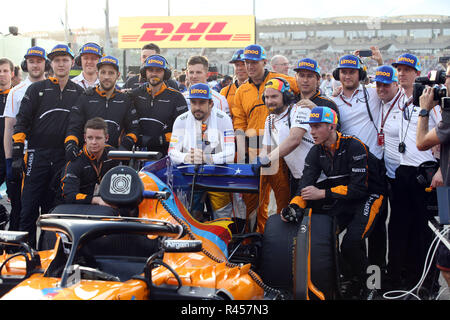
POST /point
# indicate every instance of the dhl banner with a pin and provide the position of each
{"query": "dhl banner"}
(187, 32)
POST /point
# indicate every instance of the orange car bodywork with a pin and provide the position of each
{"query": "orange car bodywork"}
(198, 269)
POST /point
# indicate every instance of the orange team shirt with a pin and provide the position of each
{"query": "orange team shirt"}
(249, 111)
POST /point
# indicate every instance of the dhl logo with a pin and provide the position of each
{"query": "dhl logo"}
(314, 115)
(35, 52)
(90, 48)
(382, 73)
(194, 91)
(306, 64)
(155, 61)
(347, 61)
(406, 60)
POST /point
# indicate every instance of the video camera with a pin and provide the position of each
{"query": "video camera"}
(433, 78)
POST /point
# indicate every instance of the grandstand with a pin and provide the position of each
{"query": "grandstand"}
(427, 36)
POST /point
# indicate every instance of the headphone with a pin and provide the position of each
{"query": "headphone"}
(78, 57)
(24, 65)
(362, 72)
(167, 71)
(288, 95)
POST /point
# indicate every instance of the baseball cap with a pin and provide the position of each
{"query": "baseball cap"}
(386, 74)
(409, 60)
(155, 61)
(200, 91)
(91, 48)
(108, 60)
(277, 84)
(349, 61)
(60, 49)
(322, 115)
(254, 52)
(307, 64)
(36, 52)
(237, 56)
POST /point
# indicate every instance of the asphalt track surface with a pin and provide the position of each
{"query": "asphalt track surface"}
(445, 295)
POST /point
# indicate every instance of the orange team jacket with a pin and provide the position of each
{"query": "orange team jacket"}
(249, 111)
(229, 93)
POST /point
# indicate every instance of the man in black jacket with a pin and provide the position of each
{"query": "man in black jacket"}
(352, 191)
(82, 176)
(157, 105)
(42, 121)
(107, 102)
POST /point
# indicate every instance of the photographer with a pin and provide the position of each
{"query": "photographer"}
(440, 135)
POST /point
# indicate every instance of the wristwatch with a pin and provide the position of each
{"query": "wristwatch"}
(424, 113)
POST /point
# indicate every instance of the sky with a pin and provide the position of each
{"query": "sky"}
(44, 15)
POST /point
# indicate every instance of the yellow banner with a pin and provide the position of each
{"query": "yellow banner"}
(187, 32)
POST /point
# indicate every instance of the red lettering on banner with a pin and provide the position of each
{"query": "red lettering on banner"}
(217, 28)
(151, 35)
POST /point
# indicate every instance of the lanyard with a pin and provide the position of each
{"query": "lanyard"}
(98, 169)
(345, 101)
(383, 119)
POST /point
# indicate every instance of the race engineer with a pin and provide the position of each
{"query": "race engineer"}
(147, 50)
(197, 72)
(157, 105)
(204, 135)
(249, 116)
(42, 121)
(88, 57)
(81, 177)
(240, 73)
(352, 191)
(284, 123)
(360, 112)
(108, 103)
(35, 63)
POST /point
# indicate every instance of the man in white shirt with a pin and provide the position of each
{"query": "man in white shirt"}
(87, 59)
(204, 134)
(409, 235)
(35, 63)
(197, 72)
(328, 85)
(392, 99)
(283, 120)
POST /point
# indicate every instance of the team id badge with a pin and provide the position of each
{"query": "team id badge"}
(380, 139)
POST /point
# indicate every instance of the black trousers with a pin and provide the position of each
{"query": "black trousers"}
(40, 186)
(409, 234)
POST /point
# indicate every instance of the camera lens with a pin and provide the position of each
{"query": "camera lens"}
(439, 93)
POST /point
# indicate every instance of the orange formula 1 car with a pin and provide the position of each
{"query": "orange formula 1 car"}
(151, 248)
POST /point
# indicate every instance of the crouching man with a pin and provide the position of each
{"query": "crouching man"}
(82, 176)
(352, 191)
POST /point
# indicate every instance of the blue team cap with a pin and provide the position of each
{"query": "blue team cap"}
(322, 115)
(91, 48)
(349, 61)
(254, 52)
(409, 60)
(386, 74)
(60, 49)
(155, 61)
(237, 56)
(36, 52)
(200, 91)
(108, 60)
(308, 64)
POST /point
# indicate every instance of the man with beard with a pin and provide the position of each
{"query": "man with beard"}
(35, 64)
(108, 103)
(157, 105)
(42, 121)
(204, 135)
